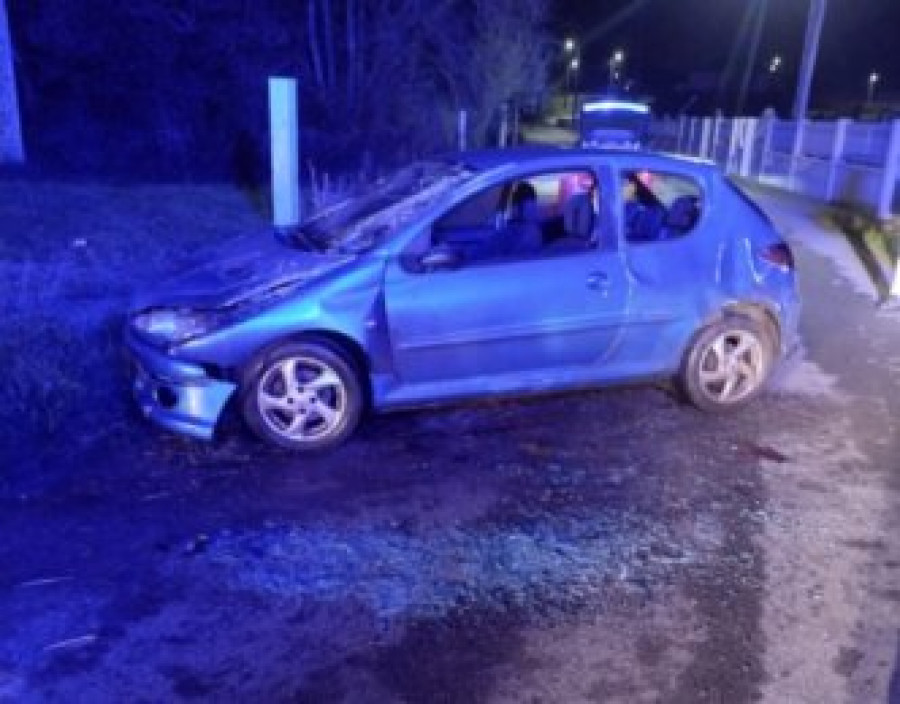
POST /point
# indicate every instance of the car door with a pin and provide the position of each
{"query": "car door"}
(545, 312)
(672, 250)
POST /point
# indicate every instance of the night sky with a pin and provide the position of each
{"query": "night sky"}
(668, 40)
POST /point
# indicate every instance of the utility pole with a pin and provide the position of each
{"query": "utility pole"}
(810, 51)
(11, 148)
(761, 10)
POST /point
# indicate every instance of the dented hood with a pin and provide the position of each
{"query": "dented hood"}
(247, 268)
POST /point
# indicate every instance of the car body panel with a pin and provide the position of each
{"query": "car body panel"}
(452, 325)
(195, 400)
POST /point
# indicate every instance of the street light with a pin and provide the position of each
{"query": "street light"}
(616, 67)
(874, 78)
(775, 64)
(569, 45)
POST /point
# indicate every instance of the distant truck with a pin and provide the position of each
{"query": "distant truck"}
(612, 122)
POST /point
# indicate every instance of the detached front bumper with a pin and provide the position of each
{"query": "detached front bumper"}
(179, 396)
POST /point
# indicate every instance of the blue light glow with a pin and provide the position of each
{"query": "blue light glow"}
(606, 105)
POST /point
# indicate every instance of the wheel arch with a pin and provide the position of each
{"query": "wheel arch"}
(340, 343)
(757, 311)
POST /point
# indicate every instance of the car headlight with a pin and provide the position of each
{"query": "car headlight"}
(173, 325)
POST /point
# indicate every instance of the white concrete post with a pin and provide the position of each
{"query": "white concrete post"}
(12, 149)
(837, 155)
(768, 128)
(890, 174)
(717, 128)
(749, 144)
(796, 153)
(461, 129)
(706, 136)
(285, 143)
(737, 130)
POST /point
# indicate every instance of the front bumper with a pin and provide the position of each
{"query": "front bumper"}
(179, 396)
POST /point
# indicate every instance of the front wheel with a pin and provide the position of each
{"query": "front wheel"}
(303, 396)
(727, 365)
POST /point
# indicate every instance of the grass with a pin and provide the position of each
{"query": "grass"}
(70, 259)
(877, 243)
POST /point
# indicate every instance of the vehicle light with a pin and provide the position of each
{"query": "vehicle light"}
(779, 254)
(173, 326)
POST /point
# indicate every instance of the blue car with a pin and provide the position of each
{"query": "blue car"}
(482, 274)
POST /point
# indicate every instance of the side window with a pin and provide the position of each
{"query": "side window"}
(478, 211)
(659, 205)
(540, 215)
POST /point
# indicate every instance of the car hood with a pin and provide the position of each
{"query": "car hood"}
(242, 270)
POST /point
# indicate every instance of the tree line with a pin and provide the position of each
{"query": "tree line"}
(176, 89)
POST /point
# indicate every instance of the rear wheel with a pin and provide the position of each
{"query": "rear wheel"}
(303, 396)
(728, 364)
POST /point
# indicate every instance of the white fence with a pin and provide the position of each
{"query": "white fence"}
(842, 160)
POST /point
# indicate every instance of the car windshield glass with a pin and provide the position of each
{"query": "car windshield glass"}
(356, 223)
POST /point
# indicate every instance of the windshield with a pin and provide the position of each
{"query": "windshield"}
(357, 223)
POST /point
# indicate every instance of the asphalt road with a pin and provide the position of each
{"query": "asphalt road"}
(611, 546)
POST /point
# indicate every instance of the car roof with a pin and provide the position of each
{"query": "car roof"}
(488, 159)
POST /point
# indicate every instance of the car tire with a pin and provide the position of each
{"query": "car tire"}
(727, 364)
(303, 396)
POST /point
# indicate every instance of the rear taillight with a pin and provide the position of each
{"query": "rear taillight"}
(779, 254)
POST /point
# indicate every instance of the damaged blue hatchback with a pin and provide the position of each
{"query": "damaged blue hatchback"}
(488, 273)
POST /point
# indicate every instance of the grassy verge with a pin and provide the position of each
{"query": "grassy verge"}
(70, 259)
(877, 243)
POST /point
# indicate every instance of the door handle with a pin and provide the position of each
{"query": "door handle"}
(598, 281)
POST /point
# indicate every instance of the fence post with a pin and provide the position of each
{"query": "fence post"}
(12, 148)
(285, 145)
(682, 123)
(705, 137)
(837, 155)
(749, 137)
(768, 127)
(796, 152)
(890, 174)
(691, 138)
(461, 130)
(737, 130)
(717, 127)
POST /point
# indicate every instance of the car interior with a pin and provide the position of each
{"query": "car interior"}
(658, 206)
(542, 215)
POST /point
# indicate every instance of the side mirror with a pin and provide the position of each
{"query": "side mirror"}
(440, 258)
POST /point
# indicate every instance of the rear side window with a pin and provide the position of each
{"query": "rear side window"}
(658, 205)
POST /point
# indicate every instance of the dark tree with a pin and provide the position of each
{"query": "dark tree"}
(177, 88)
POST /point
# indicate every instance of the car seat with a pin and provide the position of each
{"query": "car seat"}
(522, 234)
(578, 221)
(681, 217)
(578, 217)
(644, 223)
